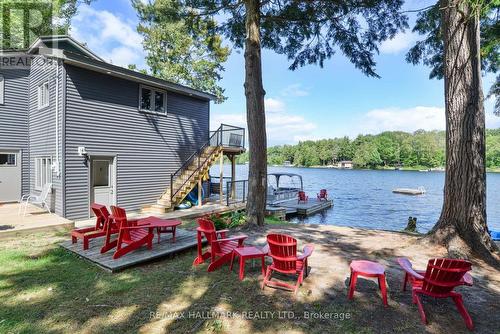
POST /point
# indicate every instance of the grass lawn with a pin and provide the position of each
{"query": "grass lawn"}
(46, 289)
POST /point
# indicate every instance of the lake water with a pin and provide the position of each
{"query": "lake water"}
(364, 198)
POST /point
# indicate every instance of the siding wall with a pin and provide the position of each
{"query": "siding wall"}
(42, 126)
(14, 118)
(102, 115)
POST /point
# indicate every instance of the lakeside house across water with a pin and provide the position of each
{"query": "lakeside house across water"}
(345, 164)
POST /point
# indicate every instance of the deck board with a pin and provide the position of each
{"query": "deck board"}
(305, 209)
(184, 239)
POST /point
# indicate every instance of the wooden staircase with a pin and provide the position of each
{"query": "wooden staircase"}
(186, 179)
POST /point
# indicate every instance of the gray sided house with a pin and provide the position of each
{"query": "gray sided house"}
(96, 131)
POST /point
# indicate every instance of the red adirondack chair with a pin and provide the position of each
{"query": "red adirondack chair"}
(130, 236)
(438, 281)
(220, 246)
(302, 197)
(283, 251)
(323, 195)
(100, 228)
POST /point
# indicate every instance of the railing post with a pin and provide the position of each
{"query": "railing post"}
(171, 188)
(227, 197)
(244, 190)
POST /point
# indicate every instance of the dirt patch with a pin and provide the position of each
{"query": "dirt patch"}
(44, 288)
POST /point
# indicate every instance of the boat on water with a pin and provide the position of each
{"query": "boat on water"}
(283, 187)
(282, 194)
(410, 191)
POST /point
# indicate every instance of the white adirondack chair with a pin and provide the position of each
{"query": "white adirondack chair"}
(36, 199)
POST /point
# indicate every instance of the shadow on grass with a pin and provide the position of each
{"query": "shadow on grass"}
(54, 291)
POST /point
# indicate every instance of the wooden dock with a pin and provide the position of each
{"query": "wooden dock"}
(308, 208)
(184, 240)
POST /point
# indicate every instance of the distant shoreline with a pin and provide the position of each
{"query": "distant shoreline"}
(404, 169)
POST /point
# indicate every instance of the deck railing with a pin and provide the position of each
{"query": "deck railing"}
(236, 191)
(229, 136)
(225, 135)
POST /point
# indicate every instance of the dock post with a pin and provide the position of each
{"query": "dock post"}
(233, 177)
(221, 177)
(200, 190)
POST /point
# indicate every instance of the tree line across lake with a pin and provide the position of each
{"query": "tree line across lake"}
(421, 148)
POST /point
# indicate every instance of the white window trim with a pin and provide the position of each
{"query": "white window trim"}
(153, 90)
(41, 102)
(9, 165)
(41, 174)
(2, 89)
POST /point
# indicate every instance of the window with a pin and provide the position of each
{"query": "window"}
(7, 159)
(43, 95)
(152, 100)
(43, 171)
(2, 89)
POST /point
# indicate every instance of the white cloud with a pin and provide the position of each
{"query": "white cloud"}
(295, 90)
(111, 37)
(282, 127)
(492, 121)
(408, 120)
(396, 119)
(274, 105)
(400, 42)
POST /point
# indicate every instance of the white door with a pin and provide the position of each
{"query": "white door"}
(10, 176)
(102, 181)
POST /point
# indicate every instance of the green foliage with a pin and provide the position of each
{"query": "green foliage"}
(493, 148)
(430, 50)
(228, 220)
(424, 149)
(367, 155)
(45, 17)
(308, 32)
(191, 56)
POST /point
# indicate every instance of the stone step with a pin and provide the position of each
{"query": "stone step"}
(155, 209)
(164, 202)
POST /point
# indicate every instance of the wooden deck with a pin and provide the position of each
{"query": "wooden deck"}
(184, 240)
(312, 206)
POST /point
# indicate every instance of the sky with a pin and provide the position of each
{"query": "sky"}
(309, 103)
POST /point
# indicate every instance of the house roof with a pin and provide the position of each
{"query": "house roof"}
(80, 56)
(64, 42)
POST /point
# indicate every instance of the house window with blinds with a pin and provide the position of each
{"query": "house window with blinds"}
(43, 172)
(43, 95)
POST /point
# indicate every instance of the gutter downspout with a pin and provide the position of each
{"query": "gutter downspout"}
(55, 164)
(63, 141)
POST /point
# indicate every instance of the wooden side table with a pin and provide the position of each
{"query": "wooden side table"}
(367, 269)
(245, 253)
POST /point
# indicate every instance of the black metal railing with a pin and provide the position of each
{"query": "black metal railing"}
(230, 136)
(236, 191)
(225, 135)
(215, 183)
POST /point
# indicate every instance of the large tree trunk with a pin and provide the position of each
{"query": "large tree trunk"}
(256, 117)
(463, 216)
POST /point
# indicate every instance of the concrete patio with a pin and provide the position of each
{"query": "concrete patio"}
(36, 220)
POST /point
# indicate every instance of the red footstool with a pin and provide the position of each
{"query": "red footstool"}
(244, 253)
(368, 269)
